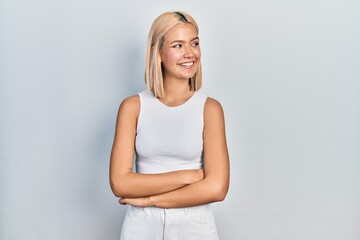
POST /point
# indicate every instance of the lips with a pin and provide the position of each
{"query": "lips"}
(187, 64)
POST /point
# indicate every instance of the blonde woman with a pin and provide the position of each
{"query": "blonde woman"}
(177, 136)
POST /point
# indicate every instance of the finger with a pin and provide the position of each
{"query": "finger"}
(122, 201)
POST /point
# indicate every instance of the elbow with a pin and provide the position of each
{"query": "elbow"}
(117, 189)
(220, 192)
(120, 186)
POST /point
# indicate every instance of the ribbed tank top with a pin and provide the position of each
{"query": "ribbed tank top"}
(169, 138)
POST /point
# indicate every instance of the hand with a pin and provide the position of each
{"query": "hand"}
(136, 202)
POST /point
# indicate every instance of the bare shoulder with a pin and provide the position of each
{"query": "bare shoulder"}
(131, 102)
(213, 108)
(130, 105)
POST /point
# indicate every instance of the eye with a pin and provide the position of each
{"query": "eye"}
(177, 46)
(194, 44)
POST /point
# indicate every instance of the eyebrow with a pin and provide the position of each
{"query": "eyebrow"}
(181, 41)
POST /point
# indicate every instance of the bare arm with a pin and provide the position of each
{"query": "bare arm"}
(215, 185)
(124, 182)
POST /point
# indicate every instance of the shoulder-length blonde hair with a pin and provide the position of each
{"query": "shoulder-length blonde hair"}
(153, 71)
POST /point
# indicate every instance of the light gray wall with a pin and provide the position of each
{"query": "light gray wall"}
(286, 72)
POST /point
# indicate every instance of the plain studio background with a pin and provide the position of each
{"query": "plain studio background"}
(286, 72)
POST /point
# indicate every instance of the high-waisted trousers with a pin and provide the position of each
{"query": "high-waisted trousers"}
(152, 223)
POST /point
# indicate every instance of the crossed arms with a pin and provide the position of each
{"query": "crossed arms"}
(183, 188)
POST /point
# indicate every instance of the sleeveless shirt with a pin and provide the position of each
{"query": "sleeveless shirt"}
(169, 138)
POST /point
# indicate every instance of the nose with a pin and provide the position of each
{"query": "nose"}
(188, 52)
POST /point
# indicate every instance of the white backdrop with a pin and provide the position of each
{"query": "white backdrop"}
(286, 72)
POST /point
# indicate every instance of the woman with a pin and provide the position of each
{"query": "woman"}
(178, 137)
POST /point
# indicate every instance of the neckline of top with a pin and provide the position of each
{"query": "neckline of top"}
(177, 106)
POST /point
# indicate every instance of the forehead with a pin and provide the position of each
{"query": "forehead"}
(181, 31)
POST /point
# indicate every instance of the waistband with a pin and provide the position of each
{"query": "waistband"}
(186, 210)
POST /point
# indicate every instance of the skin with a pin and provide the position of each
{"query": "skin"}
(178, 188)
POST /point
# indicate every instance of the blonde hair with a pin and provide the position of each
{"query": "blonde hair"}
(153, 71)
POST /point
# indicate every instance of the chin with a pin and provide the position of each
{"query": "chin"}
(189, 75)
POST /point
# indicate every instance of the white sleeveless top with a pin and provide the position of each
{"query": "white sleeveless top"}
(169, 138)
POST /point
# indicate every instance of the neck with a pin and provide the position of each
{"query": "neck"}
(177, 89)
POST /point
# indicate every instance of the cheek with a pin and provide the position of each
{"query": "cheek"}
(198, 53)
(175, 55)
(170, 56)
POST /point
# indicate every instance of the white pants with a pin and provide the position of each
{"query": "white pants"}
(151, 223)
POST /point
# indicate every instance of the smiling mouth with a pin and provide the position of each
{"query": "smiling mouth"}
(187, 64)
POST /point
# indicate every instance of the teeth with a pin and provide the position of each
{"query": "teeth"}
(187, 64)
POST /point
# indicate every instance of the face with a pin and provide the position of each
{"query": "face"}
(180, 53)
